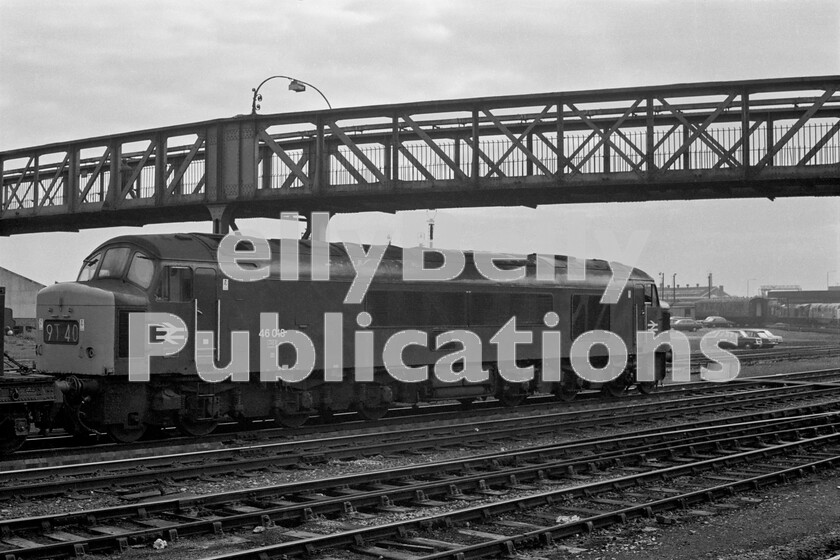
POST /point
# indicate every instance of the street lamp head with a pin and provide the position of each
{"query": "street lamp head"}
(294, 85)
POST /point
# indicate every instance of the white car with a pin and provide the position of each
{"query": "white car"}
(773, 339)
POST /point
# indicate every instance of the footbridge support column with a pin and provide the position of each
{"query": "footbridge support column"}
(222, 216)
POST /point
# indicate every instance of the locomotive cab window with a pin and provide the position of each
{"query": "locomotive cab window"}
(141, 270)
(89, 268)
(176, 284)
(651, 297)
(113, 264)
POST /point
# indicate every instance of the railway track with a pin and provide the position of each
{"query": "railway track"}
(777, 353)
(62, 442)
(525, 498)
(131, 476)
(41, 450)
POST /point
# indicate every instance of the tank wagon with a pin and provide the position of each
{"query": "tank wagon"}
(806, 314)
(83, 333)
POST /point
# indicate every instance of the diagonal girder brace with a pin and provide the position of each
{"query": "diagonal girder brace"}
(304, 159)
(819, 145)
(460, 175)
(517, 142)
(605, 136)
(347, 141)
(699, 131)
(14, 191)
(95, 174)
(188, 159)
(562, 161)
(296, 169)
(52, 191)
(200, 184)
(816, 106)
(345, 163)
(579, 168)
(491, 164)
(730, 153)
(665, 137)
(416, 163)
(135, 173)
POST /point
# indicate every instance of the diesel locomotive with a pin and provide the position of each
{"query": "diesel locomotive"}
(84, 343)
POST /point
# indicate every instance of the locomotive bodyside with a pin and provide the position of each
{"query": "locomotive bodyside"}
(84, 339)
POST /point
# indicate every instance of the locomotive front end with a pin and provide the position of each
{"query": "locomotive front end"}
(76, 326)
(81, 339)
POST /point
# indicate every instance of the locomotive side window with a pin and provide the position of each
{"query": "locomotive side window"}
(113, 265)
(89, 268)
(497, 309)
(176, 284)
(419, 309)
(141, 271)
(588, 314)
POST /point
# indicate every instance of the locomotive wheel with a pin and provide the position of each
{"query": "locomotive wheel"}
(647, 387)
(613, 389)
(195, 428)
(372, 412)
(290, 420)
(122, 434)
(567, 393)
(466, 404)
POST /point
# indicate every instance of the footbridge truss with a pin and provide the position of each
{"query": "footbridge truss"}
(758, 138)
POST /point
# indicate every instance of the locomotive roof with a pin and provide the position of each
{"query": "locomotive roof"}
(202, 247)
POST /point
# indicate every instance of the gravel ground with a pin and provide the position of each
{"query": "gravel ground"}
(798, 521)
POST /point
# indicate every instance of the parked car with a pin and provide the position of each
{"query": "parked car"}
(745, 340)
(772, 339)
(715, 321)
(686, 325)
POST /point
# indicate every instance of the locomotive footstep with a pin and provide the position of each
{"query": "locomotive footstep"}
(124, 434)
(290, 420)
(647, 387)
(566, 393)
(613, 389)
(372, 412)
(195, 428)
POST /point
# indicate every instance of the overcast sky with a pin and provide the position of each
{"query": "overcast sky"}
(70, 70)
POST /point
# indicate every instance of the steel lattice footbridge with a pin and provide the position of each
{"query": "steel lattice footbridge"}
(758, 138)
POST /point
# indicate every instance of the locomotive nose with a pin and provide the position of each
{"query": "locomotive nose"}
(75, 329)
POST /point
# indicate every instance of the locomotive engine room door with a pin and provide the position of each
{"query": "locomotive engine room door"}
(640, 311)
(206, 305)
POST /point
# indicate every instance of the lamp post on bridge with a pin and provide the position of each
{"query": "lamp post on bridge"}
(295, 85)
